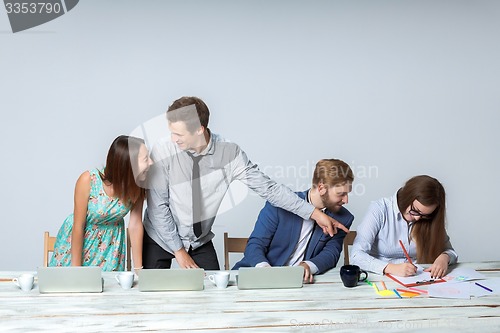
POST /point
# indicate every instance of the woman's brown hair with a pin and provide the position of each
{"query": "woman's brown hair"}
(429, 234)
(121, 162)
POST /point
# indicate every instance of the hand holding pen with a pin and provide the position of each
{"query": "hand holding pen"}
(408, 270)
(404, 269)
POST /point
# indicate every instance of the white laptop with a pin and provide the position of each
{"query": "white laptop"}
(171, 279)
(83, 279)
(270, 277)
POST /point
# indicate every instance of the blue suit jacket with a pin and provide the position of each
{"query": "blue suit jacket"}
(277, 232)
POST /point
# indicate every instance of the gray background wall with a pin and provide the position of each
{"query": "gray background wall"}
(394, 88)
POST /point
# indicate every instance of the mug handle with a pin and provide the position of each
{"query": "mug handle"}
(366, 275)
(212, 278)
(117, 280)
(16, 282)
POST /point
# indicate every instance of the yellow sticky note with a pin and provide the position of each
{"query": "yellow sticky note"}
(385, 292)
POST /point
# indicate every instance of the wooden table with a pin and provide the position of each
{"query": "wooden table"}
(323, 306)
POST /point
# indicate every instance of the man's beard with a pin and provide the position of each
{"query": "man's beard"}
(331, 206)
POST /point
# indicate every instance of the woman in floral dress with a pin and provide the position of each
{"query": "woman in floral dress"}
(94, 235)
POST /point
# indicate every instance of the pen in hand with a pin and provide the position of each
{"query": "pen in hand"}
(406, 253)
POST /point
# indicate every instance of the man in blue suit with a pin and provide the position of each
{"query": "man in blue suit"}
(281, 238)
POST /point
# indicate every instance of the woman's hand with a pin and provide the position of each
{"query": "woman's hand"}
(404, 269)
(440, 266)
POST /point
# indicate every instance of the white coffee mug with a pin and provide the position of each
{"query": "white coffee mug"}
(125, 279)
(220, 279)
(24, 281)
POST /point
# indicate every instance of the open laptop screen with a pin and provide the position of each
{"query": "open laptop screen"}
(270, 277)
(72, 279)
(171, 279)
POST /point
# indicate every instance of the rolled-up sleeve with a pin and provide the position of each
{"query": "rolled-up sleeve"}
(278, 195)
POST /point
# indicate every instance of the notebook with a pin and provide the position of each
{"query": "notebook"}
(83, 279)
(171, 279)
(270, 277)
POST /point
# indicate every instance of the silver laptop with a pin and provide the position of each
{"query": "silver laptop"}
(270, 277)
(171, 279)
(84, 279)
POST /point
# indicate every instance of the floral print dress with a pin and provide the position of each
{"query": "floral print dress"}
(104, 238)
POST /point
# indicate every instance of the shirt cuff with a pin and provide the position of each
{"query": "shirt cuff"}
(377, 266)
(263, 264)
(453, 256)
(314, 269)
(176, 244)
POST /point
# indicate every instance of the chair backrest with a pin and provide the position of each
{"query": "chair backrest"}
(233, 244)
(348, 240)
(128, 257)
(49, 241)
(48, 246)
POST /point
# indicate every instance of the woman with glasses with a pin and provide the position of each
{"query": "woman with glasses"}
(414, 215)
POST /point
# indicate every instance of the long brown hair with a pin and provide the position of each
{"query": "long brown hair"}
(429, 234)
(119, 170)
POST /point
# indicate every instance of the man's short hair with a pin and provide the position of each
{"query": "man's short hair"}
(332, 172)
(185, 107)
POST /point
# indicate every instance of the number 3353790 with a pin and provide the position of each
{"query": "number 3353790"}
(32, 8)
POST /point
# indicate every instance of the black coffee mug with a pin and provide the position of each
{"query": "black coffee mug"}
(351, 275)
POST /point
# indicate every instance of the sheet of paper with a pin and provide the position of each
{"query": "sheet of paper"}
(450, 290)
(458, 274)
(463, 274)
(465, 289)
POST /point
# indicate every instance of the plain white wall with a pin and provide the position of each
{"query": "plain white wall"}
(395, 88)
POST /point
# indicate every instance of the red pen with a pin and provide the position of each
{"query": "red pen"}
(406, 253)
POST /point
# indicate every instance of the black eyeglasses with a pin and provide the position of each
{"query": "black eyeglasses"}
(414, 212)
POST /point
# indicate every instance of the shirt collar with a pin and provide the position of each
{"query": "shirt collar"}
(307, 199)
(209, 149)
(395, 206)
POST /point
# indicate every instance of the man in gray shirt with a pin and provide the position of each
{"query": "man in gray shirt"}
(189, 178)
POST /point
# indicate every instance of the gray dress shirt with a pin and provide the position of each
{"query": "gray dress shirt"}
(168, 219)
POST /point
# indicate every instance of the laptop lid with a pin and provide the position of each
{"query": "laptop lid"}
(171, 279)
(72, 279)
(270, 277)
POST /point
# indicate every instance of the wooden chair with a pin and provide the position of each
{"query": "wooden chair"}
(48, 246)
(49, 241)
(128, 255)
(348, 240)
(232, 244)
